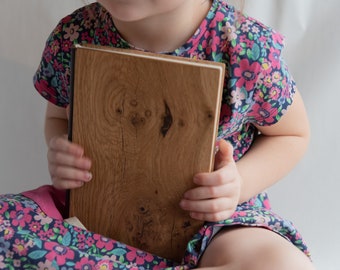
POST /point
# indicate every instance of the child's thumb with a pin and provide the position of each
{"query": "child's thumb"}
(224, 155)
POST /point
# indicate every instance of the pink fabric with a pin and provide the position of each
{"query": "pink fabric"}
(51, 200)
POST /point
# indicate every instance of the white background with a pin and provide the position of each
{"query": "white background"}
(308, 196)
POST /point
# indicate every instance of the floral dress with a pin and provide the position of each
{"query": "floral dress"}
(258, 89)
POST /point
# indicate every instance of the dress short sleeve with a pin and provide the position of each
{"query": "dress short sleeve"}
(52, 78)
(273, 85)
(89, 24)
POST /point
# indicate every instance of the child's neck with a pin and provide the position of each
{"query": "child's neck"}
(166, 32)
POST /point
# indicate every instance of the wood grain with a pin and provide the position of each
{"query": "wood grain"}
(149, 124)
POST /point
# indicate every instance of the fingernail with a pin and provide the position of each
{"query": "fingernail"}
(88, 176)
(80, 183)
(181, 203)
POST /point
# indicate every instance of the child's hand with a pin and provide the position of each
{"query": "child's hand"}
(67, 165)
(218, 192)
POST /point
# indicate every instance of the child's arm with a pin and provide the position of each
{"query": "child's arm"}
(274, 153)
(66, 162)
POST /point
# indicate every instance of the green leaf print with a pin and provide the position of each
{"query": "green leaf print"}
(37, 242)
(118, 252)
(37, 254)
(66, 239)
(256, 51)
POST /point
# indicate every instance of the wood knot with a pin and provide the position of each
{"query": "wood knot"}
(143, 210)
(119, 111)
(136, 120)
(181, 123)
(186, 224)
(133, 103)
(147, 113)
(167, 120)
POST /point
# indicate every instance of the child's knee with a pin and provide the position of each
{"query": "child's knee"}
(253, 248)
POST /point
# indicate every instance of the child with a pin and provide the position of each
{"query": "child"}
(262, 118)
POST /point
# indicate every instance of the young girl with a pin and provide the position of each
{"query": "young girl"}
(263, 133)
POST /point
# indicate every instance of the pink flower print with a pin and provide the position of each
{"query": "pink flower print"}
(81, 237)
(45, 235)
(3, 207)
(139, 256)
(217, 18)
(67, 19)
(249, 43)
(264, 111)
(43, 218)
(197, 55)
(17, 263)
(8, 233)
(266, 66)
(55, 47)
(255, 29)
(88, 23)
(274, 93)
(62, 230)
(274, 57)
(89, 241)
(72, 32)
(237, 97)
(110, 258)
(277, 38)
(57, 66)
(277, 226)
(2, 264)
(245, 27)
(58, 252)
(266, 204)
(268, 81)
(103, 242)
(66, 46)
(239, 214)
(35, 226)
(47, 54)
(247, 74)
(19, 247)
(86, 37)
(46, 91)
(163, 265)
(263, 39)
(9, 254)
(238, 48)
(211, 41)
(276, 77)
(20, 217)
(229, 32)
(243, 38)
(42, 235)
(200, 31)
(85, 263)
(234, 59)
(104, 265)
(45, 265)
(262, 220)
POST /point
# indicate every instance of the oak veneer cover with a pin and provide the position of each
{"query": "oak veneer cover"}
(149, 123)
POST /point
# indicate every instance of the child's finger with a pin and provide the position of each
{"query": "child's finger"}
(62, 144)
(65, 159)
(224, 155)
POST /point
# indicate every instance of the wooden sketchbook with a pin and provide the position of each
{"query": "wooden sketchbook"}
(149, 123)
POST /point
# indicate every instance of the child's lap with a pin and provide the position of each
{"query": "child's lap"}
(30, 238)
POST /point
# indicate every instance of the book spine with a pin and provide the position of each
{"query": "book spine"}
(70, 117)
